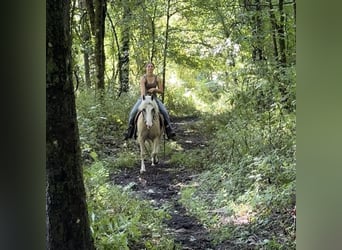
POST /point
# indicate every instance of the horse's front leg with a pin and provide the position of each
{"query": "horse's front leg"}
(155, 152)
(142, 154)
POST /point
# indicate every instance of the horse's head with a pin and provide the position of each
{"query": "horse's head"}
(149, 110)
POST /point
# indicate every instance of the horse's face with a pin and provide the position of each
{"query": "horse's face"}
(149, 113)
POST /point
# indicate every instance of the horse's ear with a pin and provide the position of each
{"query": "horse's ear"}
(143, 97)
(152, 97)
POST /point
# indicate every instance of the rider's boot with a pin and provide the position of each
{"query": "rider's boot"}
(169, 132)
(129, 133)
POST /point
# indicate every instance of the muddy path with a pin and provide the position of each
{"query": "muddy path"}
(161, 185)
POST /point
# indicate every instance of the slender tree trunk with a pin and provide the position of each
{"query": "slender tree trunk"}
(124, 55)
(166, 44)
(97, 10)
(153, 31)
(295, 11)
(117, 45)
(274, 29)
(100, 17)
(258, 34)
(86, 42)
(91, 13)
(281, 34)
(295, 18)
(86, 68)
(66, 211)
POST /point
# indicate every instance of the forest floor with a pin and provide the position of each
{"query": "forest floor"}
(161, 185)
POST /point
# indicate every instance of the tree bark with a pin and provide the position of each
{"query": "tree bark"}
(274, 30)
(124, 55)
(257, 53)
(86, 42)
(153, 33)
(97, 10)
(281, 35)
(67, 218)
(166, 44)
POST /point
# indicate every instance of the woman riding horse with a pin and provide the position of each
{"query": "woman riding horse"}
(150, 84)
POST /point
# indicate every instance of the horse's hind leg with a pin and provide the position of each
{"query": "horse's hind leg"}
(154, 159)
(142, 169)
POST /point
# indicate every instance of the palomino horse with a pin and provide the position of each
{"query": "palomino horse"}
(148, 129)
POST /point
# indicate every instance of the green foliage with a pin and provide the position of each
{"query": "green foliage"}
(178, 103)
(249, 185)
(118, 219)
(248, 108)
(102, 121)
(190, 159)
(124, 159)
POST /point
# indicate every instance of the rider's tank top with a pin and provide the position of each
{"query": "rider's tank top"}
(152, 84)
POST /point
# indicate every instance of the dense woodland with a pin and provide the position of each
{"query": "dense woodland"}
(228, 63)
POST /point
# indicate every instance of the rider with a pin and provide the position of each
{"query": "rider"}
(150, 84)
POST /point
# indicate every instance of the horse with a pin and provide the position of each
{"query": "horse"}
(149, 129)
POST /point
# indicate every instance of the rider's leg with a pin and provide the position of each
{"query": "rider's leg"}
(132, 114)
(169, 130)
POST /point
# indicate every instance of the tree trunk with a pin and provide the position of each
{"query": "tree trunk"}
(86, 68)
(86, 42)
(274, 30)
(295, 12)
(153, 31)
(117, 44)
(100, 16)
(124, 55)
(166, 45)
(281, 34)
(257, 53)
(91, 14)
(97, 10)
(67, 218)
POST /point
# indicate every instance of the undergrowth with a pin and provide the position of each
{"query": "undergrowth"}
(246, 194)
(118, 219)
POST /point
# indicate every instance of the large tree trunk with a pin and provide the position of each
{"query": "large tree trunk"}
(66, 210)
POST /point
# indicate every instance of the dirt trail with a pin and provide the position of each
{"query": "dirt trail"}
(161, 185)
